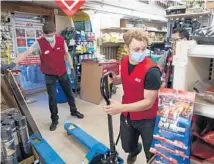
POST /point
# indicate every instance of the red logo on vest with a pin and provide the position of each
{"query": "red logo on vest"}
(70, 7)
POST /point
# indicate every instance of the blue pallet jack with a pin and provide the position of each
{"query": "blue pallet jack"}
(46, 153)
(98, 153)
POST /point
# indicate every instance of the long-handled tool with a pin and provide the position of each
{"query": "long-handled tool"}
(106, 85)
(98, 153)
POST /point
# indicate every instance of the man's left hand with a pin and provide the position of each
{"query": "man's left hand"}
(114, 108)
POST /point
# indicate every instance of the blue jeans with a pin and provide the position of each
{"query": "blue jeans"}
(130, 131)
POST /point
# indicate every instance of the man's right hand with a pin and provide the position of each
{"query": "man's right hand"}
(6, 67)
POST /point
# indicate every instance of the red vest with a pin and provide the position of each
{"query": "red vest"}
(52, 59)
(133, 87)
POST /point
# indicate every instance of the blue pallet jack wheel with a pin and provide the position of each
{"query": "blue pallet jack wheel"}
(97, 159)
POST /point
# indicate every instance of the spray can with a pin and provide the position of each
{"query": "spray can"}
(23, 135)
(3, 116)
(10, 122)
(8, 146)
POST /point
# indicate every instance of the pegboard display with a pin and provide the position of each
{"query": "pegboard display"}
(7, 37)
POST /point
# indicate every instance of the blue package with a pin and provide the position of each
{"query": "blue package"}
(163, 160)
(172, 132)
(175, 133)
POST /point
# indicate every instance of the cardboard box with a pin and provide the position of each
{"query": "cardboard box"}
(210, 5)
(28, 160)
(90, 82)
(123, 22)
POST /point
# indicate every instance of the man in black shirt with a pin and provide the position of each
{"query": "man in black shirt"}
(152, 79)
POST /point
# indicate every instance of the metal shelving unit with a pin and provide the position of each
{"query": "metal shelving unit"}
(189, 15)
(203, 108)
(202, 51)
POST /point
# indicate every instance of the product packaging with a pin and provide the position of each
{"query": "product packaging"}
(171, 138)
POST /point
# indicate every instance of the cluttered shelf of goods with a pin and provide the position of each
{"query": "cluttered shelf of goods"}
(114, 36)
(193, 62)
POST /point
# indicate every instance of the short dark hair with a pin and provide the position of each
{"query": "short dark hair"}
(183, 33)
(49, 28)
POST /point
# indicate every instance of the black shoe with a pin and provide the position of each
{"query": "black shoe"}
(53, 126)
(77, 114)
(133, 156)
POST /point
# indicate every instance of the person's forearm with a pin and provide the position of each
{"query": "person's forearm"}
(68, 57)
(22, 56)
(138, 106)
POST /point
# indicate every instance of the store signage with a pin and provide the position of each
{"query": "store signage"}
(30, 60)
(70, 7)
(28, 25)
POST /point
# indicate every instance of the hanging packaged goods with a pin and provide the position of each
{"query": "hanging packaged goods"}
(28, 28)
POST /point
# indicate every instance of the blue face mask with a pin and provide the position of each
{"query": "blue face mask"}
(50, 39)
(138, 57)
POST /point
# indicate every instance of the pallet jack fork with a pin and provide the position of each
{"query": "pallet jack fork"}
(45, 152)
(98, 153)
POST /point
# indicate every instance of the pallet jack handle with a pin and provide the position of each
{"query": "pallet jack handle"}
(106, 85)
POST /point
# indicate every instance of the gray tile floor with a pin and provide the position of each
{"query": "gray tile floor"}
(94, 123)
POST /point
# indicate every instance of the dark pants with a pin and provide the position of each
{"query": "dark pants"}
(51, 89)
(131, 130)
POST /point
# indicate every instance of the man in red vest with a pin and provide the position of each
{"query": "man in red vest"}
(141, 80)
(53, 52)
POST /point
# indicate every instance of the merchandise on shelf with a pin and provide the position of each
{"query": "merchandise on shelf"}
(171, 143)
(195, 6)
(176, 10)
(209, 94)
(203, 138)
(205, 89)
(204, 35)
(31, 76)
(15, 141)
(6, 39)
(156, 37)
(121, 52)
(90, 36)
(113, 37)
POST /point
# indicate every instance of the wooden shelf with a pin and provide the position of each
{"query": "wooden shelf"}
(157, 42)
(111, 44)
(203, 108)
(193, 161)
(203, 51)
(158, 31)
(115, 29)
(188, 15)
(122, 29)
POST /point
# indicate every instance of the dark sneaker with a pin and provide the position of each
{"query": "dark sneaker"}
(133, 156)
(53, 126)
(77, 114)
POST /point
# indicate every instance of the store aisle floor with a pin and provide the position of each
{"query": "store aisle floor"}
(94, 123)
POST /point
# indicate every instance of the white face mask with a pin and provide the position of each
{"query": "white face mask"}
(138, 56)
(50, 39)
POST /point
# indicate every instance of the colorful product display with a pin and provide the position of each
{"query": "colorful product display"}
(31, 76)
(121, 52)
(172, 132)
(113, 37)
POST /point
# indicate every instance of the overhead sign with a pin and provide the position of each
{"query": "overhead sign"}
(70, 7)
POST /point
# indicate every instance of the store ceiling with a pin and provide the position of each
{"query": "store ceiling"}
(141, 9)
